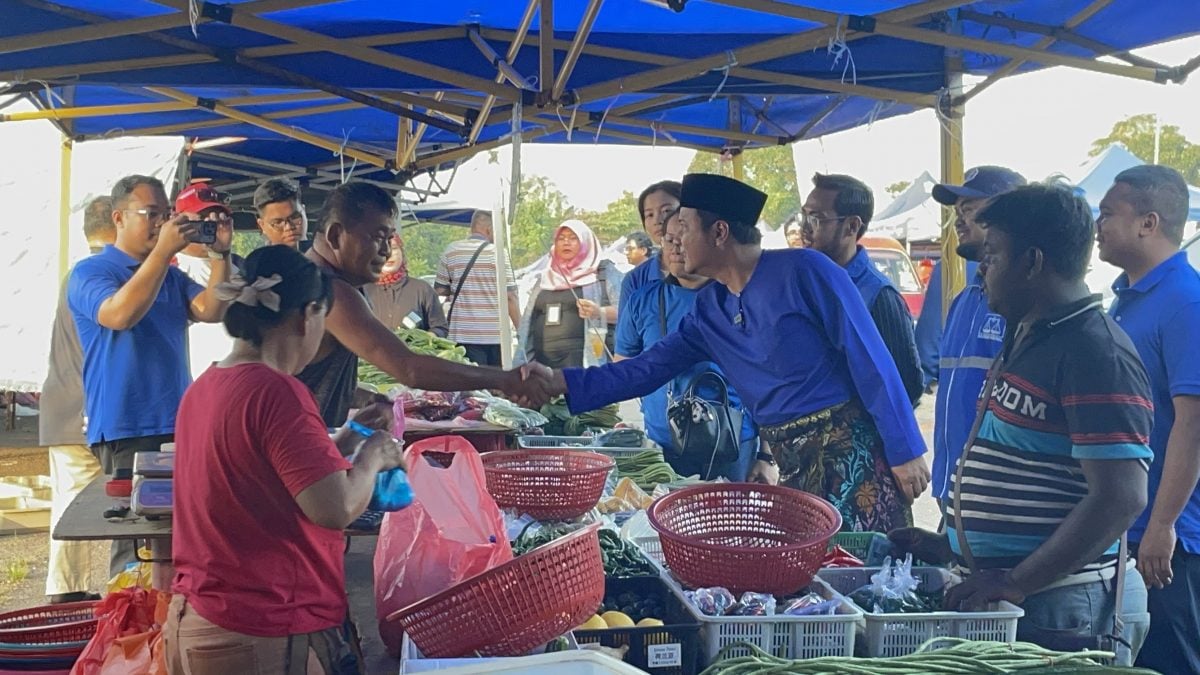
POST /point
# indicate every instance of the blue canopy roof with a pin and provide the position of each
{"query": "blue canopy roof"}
(716, 75)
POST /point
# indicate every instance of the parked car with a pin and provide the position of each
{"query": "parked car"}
(890, 258)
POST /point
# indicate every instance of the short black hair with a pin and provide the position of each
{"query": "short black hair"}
(741, 232)
(349, 203)
(1051, 217)
(1162, 190)
(275, 190)
(853, 198)
(302, 282)
(671, 187)
(126, 186)
(98, 218)
(640, 239)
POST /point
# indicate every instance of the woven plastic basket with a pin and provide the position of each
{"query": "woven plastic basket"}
(514, 608)
(49, 624)
(744, 536)
(547, 484)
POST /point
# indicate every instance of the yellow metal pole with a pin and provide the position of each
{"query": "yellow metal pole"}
(739, 172)
(953, 267)
(64, 209)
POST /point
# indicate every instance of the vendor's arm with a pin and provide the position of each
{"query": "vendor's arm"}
(206, 307)
(591, 388)
(895, 324)
(351, 322)
(848, 326)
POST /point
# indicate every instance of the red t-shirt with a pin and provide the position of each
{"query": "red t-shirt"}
(248, 440)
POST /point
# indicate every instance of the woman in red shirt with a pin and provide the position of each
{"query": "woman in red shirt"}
(262, 493)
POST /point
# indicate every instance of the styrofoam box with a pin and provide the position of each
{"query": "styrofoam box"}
(902, 634)
(788, 637)
(412, 661)
(583, 662)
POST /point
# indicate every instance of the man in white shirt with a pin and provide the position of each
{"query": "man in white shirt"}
(207, 342)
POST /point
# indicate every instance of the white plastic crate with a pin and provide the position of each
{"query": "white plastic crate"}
(582, 662)
(574, 443)
(789, 637)
(901, 634)
(412, 661)
(651, 545)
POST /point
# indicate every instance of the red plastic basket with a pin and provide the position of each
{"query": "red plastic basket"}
(547, 484)
(514, 608)
(744, 536)
(50, 624)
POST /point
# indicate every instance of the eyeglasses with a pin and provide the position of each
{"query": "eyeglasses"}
(296, 220)
(152, 215)
(814, 221)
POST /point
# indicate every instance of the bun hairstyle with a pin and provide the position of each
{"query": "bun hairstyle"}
(273, 282)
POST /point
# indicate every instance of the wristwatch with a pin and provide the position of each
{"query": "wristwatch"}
(766, 457)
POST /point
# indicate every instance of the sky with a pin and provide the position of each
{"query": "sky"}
(1038, 123)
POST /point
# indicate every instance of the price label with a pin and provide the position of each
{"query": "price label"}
(664, 656)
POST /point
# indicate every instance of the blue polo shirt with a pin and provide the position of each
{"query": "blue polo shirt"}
(133, 379)
(1161, 314)
(641, 275)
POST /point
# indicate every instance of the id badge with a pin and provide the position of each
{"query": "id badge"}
(412, 320)
(553, 314)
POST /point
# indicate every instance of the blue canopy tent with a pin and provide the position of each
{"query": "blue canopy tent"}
(1099, 173)
(397, 90)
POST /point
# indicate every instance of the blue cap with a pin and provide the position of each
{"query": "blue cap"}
(982, 181)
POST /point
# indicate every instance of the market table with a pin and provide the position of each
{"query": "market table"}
(83, 520)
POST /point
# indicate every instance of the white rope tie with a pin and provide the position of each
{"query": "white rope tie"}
(730, 62)
(838, 48)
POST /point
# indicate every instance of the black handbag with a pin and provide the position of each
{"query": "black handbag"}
(706, 432)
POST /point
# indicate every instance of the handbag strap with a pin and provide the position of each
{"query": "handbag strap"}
(463, 279)
(718, 381)
(960, 532)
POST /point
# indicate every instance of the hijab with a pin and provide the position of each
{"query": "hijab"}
(580, 271)
(399, 274)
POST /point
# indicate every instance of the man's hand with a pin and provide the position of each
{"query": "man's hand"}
(587, 309)
(378, 414)
(763, 472)
(912, 478)
(224, 242)
(532, 385)
(924, 545)
(980, 589)
(173, 234)
(1154, 555)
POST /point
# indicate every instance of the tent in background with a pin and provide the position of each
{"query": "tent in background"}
(1098, 175)
(913, 215)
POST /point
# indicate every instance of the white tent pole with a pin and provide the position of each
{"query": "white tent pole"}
(503, 219)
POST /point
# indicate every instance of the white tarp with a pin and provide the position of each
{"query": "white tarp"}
(913, 215)
(29, 234)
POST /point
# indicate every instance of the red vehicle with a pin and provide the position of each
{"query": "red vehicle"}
(890, 258)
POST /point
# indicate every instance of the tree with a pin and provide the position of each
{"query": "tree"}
(1137, 134)
(772, 170)
(898, 188)
(617, 219)
(424, 244)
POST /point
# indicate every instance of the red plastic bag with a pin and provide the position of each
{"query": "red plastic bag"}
(452, 531)
(128, 635)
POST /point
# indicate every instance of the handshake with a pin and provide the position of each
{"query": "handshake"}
(533, 385)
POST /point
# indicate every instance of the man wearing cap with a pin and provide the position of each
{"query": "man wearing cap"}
(807, 365)
(973, 334)
(132, 309)
(207, 342)
(835, 216)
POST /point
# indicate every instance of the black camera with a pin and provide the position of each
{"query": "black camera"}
(206, 231)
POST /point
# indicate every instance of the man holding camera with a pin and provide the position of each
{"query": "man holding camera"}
(132, 309)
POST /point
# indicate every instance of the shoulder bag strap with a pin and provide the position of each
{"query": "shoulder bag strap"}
(1119, 587)
(662, 309)
(463, 279)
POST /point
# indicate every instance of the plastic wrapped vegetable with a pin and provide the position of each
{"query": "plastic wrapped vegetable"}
(893, 590)
(811, 604)
(715, 601)
(755, 604)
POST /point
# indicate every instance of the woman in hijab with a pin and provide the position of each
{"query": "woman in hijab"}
(573, 302)
(401, 301)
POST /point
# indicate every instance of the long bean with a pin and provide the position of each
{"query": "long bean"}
(939, 655)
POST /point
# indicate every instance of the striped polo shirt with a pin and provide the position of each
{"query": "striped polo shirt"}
(475, 320)
(1069, 389)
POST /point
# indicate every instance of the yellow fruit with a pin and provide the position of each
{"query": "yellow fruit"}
(594, 623)
(649, 622)
(617, 620)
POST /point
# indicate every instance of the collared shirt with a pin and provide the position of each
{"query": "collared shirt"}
(207, 342)
(1071, 388)
(649, 270)
(790, 343)
(971, 340)
(891, 316)
(475, 316)
(133, 379)
(1161, 314)
(663, 302)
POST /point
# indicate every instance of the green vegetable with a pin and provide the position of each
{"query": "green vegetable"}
(419, 342)
(621, 558)
(647, 469)
(939, 655)
(562, 423)
(559, 644)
